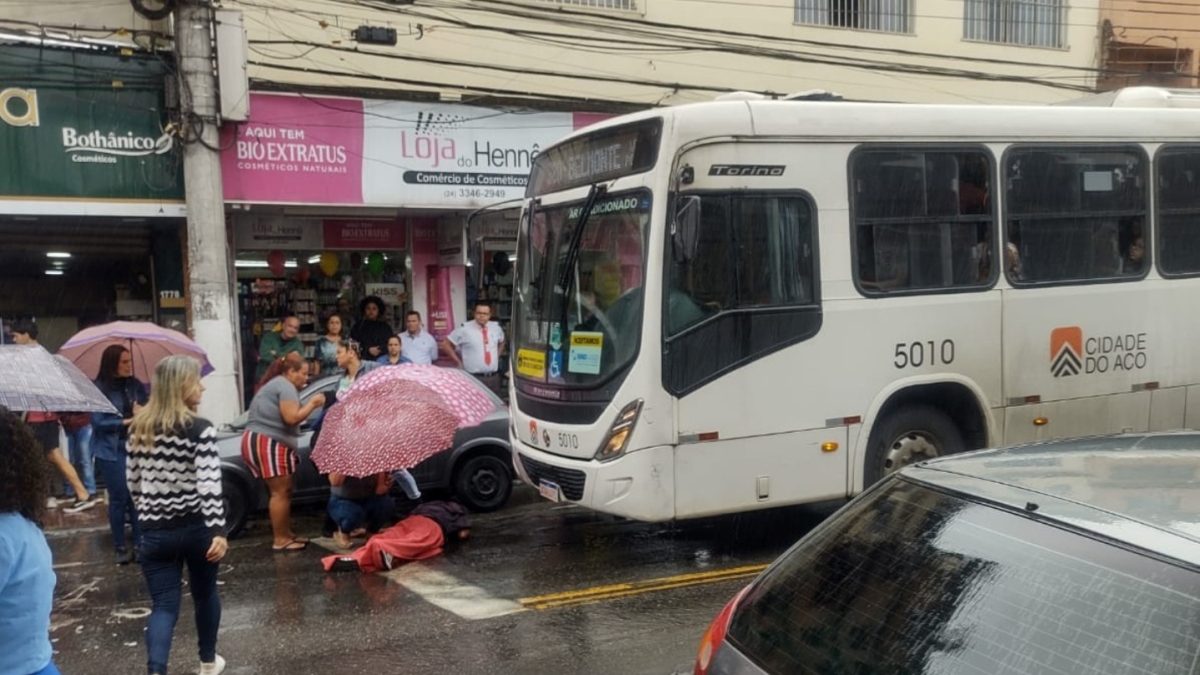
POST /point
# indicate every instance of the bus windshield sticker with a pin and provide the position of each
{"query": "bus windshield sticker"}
(555, 335)
(556, 366)
(531, 363)
(586, 348)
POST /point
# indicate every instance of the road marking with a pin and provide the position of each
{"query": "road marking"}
(441, 589)
(451, 594)
(624, 590)
(475, 603)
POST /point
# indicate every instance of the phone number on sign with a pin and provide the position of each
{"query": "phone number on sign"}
(478, 193)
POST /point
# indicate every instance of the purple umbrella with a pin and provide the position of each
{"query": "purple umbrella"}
(147, 342)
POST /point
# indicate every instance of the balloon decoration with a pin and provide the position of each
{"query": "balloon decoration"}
(275, 263)
(375, 263)
(355, 261)
(302, 275)
(329, 264)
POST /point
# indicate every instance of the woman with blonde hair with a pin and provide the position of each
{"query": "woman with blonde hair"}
(270, 440)
(174, 476)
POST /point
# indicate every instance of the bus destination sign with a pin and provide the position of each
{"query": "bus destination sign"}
(599, 156)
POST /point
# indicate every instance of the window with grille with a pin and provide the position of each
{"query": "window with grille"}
(625, 5)
(1031, 23)
(891, 16)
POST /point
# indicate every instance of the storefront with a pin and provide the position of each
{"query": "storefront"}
(331, 200)
(91, 192)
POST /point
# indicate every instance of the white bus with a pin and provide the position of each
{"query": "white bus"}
(746, 304)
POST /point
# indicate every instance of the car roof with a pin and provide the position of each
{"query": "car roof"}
(1142, 489)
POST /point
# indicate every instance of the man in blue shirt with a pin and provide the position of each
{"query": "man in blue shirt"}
(418, 346)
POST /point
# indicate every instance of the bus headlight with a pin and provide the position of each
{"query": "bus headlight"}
(618, 434)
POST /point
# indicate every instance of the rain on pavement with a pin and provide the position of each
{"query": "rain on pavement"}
(538, 588)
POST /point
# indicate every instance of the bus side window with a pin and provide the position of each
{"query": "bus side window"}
(923, 219)
(1075, 214)
(1178, 210)
(755, 251)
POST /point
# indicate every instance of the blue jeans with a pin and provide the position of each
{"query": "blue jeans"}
(79, 449)
(120, 505)
(164, 554)
(350, 514)
(407, 483)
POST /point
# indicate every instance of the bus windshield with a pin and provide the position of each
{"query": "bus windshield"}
(579, 311)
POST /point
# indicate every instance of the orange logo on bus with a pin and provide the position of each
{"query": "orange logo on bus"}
(1066, 351)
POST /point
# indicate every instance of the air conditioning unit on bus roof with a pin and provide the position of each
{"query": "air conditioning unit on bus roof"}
(807, 95)
(1140, 97)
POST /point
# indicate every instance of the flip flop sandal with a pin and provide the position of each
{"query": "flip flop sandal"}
(293, 545)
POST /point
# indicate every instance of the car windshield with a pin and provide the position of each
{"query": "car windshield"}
(579, 306)
(917, 581)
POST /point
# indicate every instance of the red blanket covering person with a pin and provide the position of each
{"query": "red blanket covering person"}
(414, 538)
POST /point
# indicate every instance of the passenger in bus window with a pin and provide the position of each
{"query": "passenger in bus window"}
(1012, 257)
(1133, 250)
(973, 185)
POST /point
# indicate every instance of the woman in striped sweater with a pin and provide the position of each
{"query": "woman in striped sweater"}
(174, 475)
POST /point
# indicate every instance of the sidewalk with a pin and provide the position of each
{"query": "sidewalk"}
(95, 518)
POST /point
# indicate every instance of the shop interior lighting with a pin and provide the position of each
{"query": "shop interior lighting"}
(259, 264)
(58, 254)
(54, 273)
(313, 259)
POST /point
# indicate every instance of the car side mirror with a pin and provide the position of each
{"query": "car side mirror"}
(685, 228)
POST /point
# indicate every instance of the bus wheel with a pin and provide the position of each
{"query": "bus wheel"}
(909, 435)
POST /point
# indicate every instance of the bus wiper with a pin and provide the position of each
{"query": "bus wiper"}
(565, 273)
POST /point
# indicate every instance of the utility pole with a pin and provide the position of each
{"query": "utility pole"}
(209, 287)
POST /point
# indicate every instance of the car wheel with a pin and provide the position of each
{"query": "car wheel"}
(235, 507)
(909, 435)
(483, 483)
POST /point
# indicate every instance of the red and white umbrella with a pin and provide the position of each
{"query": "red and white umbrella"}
(397, 417)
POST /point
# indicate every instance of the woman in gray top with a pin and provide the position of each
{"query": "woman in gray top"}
(269, 443)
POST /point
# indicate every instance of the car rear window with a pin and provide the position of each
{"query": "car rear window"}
(912, 580)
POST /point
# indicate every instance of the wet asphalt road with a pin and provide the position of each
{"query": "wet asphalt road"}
(461, 613)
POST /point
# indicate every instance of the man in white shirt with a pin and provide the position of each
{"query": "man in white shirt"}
(417, 345)
(480, 342)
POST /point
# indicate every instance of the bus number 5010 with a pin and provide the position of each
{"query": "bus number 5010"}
(917, 354)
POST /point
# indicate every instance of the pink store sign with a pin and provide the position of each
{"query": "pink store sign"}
(320, 150)
(295, 149)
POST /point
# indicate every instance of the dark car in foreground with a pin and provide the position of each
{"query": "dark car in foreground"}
(476, 469)
(1070, 558)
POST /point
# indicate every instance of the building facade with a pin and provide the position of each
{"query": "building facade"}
(91, 191)
(1148, 43)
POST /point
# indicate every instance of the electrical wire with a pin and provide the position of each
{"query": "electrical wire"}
(513, 69)
(709, 45)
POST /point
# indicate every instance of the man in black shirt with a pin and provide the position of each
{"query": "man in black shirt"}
(372, 332)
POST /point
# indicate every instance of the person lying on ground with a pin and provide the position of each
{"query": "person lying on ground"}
(422, 535)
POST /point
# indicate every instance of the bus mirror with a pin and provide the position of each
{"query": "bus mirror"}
(685, 229)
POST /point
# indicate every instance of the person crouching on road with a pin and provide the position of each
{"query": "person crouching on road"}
(358, 505)
(270, 440)
(174, 475)
(26, 568)
(111, 432)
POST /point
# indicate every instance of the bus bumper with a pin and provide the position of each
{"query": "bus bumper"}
(639, 485)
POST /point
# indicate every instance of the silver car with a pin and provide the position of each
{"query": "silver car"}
(1070, 557)
(477, 469)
